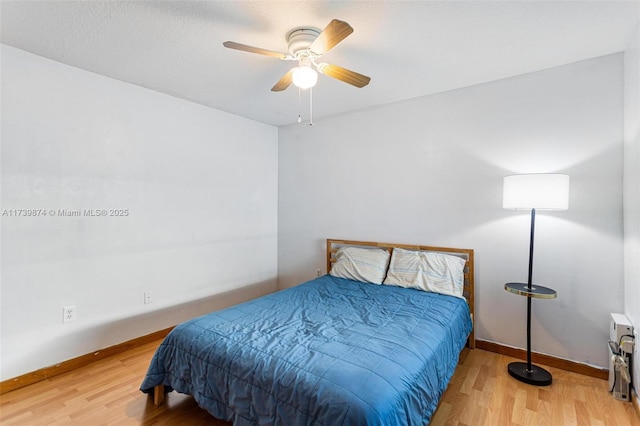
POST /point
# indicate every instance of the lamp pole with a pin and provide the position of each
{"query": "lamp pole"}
(529, 284)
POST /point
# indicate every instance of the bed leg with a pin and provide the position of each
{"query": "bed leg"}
(158, 395)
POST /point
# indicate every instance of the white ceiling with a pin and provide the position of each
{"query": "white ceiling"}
(409, 49)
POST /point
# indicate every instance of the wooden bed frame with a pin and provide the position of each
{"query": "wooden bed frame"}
(332, 249)
(466, 254)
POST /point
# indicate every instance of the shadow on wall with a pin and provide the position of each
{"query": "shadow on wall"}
(168, 317)
(102, 336)
(176, 314)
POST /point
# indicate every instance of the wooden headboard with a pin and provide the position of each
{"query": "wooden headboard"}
(466, 254)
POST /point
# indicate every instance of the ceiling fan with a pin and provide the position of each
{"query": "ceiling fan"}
(307, 45)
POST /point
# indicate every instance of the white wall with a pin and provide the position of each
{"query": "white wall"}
(430, 170)
(200, 186)
(632, 191)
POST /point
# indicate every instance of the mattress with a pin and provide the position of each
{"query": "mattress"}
(331, 351)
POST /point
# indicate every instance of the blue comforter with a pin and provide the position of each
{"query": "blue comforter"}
(328, 352)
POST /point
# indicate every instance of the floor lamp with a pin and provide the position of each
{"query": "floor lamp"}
(531, 192)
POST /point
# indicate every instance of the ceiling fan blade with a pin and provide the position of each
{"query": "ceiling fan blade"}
(251, 49)
(284, 82)
(351, 77)
(333, 34)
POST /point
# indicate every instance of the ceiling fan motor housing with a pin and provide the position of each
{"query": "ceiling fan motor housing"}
(300, 39)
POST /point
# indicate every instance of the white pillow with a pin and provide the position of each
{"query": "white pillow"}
(361, 264)
(427, 270)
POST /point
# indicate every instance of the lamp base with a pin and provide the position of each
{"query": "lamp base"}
(537, 376)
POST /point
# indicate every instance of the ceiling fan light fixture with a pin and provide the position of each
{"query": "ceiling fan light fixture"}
(304, 77)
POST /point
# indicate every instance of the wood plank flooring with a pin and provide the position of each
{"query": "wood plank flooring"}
(480, 393)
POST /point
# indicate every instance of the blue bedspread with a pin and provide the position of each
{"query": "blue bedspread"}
(328, 352)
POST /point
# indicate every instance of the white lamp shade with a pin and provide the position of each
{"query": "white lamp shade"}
(536, 191)
(304, 77)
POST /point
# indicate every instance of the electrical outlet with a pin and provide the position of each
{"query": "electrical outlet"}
(68, 313)
(318, 272)
(147, 297)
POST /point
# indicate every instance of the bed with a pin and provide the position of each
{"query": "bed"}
(331, 351)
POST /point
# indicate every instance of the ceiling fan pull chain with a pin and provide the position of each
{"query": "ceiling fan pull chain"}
(311, 106)
(299, 107)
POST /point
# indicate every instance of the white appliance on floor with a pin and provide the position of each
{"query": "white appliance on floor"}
(620, 357)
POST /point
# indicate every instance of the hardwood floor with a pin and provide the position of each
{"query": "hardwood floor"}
(480, 393)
